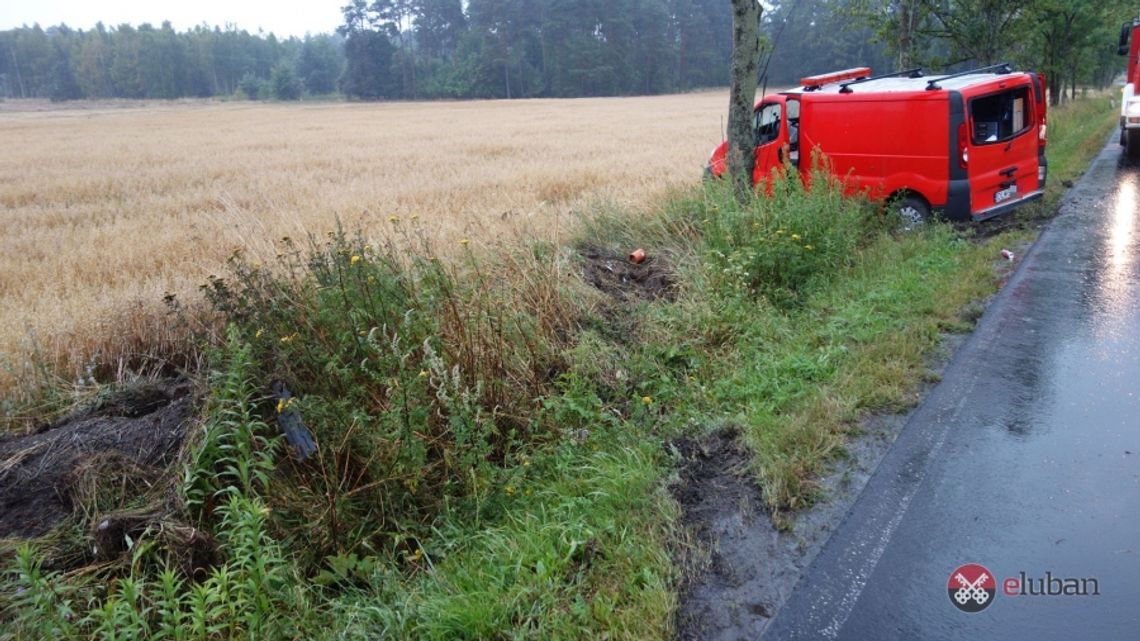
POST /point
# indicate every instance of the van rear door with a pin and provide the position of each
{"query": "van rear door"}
(1002, 148)
(1040, 94)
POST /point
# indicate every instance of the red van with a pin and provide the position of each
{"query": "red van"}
(968, 146)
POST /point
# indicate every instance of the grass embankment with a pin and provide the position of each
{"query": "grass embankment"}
(494, 434)
(1077, 132)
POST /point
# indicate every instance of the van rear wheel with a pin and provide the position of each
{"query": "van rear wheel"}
(913, 212)
(1132, 143)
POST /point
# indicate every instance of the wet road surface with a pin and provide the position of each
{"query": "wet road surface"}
(1024, 459)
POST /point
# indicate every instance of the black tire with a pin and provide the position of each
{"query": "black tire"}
(1132, 143)
(913, 212)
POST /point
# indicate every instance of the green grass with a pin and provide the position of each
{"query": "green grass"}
(494, 435)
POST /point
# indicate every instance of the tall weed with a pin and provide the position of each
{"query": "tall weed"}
(777, 245)
(417, 377)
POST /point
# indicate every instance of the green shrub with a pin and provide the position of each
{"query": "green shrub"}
(419, 386)
(777, 244)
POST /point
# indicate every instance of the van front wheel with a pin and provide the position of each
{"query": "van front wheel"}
(913, 212)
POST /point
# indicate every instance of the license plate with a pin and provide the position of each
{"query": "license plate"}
(1005, 194)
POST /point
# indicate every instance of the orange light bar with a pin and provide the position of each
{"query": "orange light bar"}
(814, 82)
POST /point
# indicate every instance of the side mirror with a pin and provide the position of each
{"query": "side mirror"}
(1122, 51)
(1124, 33)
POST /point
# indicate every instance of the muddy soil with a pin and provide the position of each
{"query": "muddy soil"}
(138, 429)
(741, 568)
(625, 281)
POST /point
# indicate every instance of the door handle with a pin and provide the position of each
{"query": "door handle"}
(1008, 173)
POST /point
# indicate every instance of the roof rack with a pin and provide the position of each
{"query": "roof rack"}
(909, 73)
(1002, 68)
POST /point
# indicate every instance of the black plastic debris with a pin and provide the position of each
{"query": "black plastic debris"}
(289, 421)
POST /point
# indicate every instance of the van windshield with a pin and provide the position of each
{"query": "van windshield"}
(1000, 116)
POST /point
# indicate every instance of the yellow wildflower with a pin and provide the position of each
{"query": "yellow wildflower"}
(647, 400)
(355, 259)
(423, 373)
(462, 242)
(258, 334)
(510, 490)
(795, 236)
(280, 406)
(807, 247)
(779, 232)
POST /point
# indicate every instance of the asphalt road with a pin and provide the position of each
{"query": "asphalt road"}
(1025, 458)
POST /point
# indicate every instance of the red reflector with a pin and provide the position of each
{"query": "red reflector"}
(963, 152)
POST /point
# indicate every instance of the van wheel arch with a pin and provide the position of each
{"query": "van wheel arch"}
(911, 207)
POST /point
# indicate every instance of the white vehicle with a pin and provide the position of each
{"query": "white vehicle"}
(1130, 102)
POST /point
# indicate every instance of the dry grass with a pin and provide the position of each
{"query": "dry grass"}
(106, 209)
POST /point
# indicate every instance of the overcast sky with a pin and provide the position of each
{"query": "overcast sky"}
(281, 18)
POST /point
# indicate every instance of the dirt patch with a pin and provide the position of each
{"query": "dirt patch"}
(739, 568)
(130, 434)
(983, 231)
(625, 281)
(727, 594)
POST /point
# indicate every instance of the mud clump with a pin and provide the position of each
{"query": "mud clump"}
(131, 435)
(625, 281)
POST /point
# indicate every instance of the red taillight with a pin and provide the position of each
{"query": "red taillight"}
(963, 152)
(1041, 133)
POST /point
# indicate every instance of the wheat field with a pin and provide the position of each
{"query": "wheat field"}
(106, 208)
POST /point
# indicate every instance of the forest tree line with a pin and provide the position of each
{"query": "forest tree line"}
(424, 49)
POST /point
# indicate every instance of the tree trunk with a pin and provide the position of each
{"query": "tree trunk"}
(742, 95)
(1073, 80)
(906, 34)
(16, 66)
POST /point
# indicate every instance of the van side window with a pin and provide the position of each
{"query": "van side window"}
(766, 124)
(1000, 116)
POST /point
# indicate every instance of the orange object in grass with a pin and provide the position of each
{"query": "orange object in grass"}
(637, 256)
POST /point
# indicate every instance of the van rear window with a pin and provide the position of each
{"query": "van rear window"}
(1000, 116)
